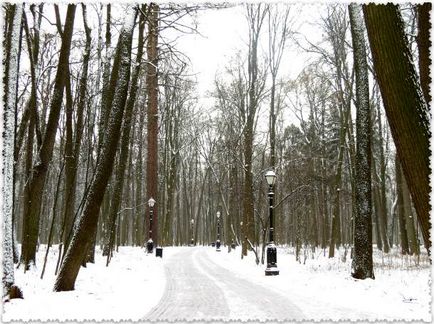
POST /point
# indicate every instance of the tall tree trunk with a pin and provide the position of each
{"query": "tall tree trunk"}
(73, 145)
(255, 16)
(10, 81)
(88, 221)
(39, 173)
(380, 176)
(105, 104)
(124, 149)
(406, 109)
(362, 265)
(140, 215)
(152, 95)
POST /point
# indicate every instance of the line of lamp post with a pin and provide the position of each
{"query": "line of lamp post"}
(272, 268)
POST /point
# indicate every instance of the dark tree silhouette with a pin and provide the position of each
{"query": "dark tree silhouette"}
(406, 109)
(88, 222)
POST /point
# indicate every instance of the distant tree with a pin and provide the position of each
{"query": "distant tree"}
(406, 109)
(362, 265)
(83, 235)
(256, 14)
(279, 28)
(400, 210)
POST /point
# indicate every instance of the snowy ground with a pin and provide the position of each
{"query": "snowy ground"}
(200, 283)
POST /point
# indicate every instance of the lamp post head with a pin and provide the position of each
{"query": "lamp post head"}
(270, 176)
(151, 202)
(192, 221)
(218, 215)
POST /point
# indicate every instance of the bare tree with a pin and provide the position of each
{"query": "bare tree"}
(40, 168)
(255, 18)
(124, 147)
(83, 235)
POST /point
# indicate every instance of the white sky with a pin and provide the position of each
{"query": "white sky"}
(224, 32)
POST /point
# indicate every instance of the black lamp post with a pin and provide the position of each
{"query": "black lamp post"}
(217, 244)
(150, 243)
(271, 269)
(192, 233)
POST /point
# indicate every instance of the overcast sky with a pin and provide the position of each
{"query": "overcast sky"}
(225, 31)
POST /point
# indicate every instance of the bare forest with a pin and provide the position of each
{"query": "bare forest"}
(102, 112)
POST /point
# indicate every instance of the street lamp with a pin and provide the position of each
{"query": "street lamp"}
(218, 232)
(150, 243)
(271, 269)
(192, 236)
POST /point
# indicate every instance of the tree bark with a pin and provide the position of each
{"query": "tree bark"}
(124, 149)
(362, 265)
(152, 92)
(10, 82)
(88, 221)
(406, 109)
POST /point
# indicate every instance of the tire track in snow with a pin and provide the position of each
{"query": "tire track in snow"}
(188, 293)
(248, 301)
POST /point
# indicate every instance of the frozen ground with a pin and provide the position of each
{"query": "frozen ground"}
(200, 283)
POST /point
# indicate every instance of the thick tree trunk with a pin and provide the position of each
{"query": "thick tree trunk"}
(362, 265)
(83, 235)
(124, 149)
(10, 100)
(152, 92)
(406, 109)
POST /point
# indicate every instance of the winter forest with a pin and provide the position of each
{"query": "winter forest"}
(183, 149)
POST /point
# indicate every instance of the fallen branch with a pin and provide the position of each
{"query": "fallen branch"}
(253, 249)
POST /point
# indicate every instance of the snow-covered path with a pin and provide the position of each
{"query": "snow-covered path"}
(197, 288)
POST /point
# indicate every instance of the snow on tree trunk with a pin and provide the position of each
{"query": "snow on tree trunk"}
(8, 148)
(362, 266)
(87, 224)
(124, 150)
